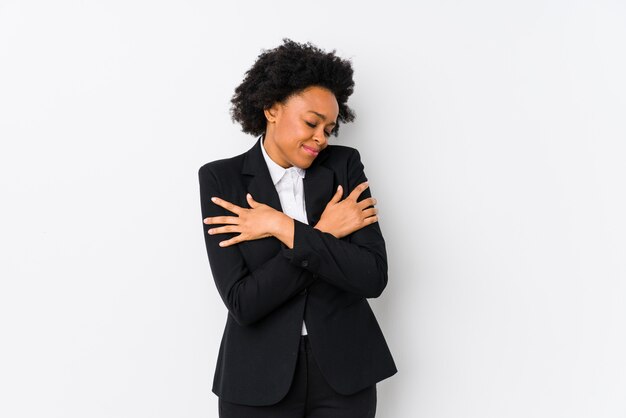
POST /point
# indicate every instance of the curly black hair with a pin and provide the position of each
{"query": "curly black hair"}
(284, 71)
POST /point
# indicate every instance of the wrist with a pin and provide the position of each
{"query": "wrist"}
(320, 226)
(284, 229)
(323, 228)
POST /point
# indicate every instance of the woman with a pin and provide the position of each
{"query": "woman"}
(295, 248)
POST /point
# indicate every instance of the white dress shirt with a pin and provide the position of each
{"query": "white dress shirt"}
(290, 188)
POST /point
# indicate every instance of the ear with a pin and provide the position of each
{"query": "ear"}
(271, 113)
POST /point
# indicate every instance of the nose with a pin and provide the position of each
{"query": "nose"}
(320, 139)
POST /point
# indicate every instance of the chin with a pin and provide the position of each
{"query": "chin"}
(302, 163)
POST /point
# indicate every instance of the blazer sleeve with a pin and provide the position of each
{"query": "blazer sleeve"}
(248, 295)
(356, 263)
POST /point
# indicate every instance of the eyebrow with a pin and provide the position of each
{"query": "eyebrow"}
(322, 117)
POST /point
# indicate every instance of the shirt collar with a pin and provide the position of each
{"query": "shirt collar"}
(276, 171)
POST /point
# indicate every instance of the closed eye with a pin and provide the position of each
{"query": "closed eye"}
(314, 125)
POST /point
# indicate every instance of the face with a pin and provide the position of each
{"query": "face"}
(298, 129)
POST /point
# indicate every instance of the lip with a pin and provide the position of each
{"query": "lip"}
(311, 151)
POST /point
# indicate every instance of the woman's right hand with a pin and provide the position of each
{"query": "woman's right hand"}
(341, 218)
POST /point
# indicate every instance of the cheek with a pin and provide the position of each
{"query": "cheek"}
(292, 133)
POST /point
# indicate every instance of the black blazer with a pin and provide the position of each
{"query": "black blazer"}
(269, 288)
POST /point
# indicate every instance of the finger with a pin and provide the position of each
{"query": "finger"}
(365, 203)
(226, 205)
(228, 242)
(223, 230)
(337, 196)
(358, 190)
(222, 220)
(369, 212)
(232, 241)
(241, 238)
(253, 203)
(370, 220)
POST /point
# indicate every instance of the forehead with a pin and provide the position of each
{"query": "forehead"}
(315, 99)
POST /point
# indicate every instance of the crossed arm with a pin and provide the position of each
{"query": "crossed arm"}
(357, 265)
(340, 218)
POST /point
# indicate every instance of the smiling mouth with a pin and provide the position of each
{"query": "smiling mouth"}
(310, 150)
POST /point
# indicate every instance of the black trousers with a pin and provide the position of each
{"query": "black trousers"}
(309, 396)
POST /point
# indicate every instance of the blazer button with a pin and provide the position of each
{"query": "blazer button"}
(304, 263)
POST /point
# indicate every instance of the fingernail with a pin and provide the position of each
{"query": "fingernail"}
(214, 199)
(211, 231)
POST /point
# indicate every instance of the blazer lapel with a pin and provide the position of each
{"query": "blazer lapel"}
(260, 184)
(318, 183)
(318, 189)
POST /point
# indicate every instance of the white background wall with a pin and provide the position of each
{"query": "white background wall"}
(492, 133)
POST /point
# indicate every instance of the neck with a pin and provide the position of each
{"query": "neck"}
(272, 150)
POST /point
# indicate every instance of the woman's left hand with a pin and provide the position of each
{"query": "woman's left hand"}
(260, 221)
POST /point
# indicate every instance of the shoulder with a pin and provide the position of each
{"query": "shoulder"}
(346, 163)
(340, 150)
(222, 167)
(341, 158)
(339, 155)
